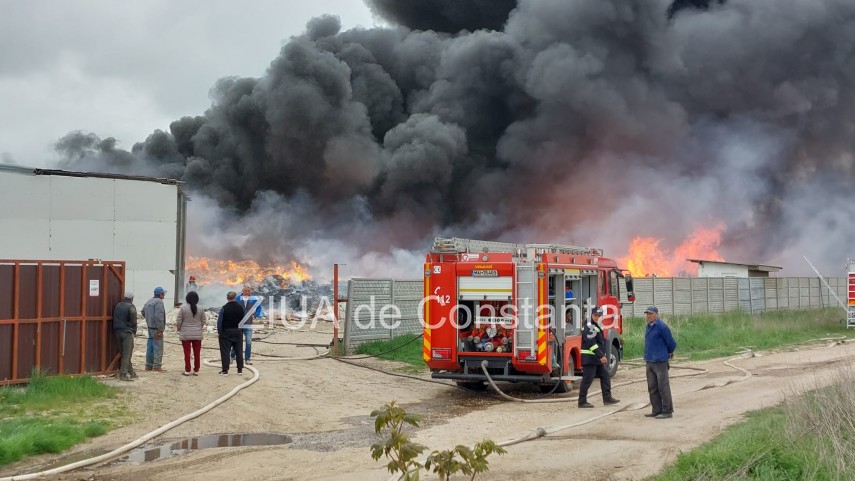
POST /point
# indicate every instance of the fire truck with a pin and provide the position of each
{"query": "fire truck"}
(850, 304)
(520, 308)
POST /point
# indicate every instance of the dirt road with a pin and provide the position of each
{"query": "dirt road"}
(324, 405)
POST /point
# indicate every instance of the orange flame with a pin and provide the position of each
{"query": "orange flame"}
(646, 258)
(237, 273)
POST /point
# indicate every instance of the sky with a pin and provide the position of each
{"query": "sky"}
(379, 140)
(124, 69)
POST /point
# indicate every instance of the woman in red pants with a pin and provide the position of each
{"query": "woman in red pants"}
(190, 323)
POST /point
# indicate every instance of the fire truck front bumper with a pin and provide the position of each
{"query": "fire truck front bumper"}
(496, 377)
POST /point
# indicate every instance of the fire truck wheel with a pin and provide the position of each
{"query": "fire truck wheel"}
(614, 360)
(473, 385)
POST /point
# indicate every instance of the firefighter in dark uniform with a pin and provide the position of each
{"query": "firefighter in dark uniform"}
(594, 361)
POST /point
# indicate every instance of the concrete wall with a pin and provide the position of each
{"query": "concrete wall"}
(367, 298)
(672, 295)
(694, 295)
(78, 218)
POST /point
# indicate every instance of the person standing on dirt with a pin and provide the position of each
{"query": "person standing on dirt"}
(228, 325)
(155, 319)
(252, 309)
(594, 361)
(659, 346)
(190, 322)
(125, 328)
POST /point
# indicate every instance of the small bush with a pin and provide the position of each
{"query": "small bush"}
(402, 452)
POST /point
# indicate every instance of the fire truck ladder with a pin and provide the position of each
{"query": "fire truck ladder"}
(456, 245)
(524, 333)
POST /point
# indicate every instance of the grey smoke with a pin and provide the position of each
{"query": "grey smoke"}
(588, 121)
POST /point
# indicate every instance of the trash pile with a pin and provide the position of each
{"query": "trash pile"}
(289, 301)
(291, 296)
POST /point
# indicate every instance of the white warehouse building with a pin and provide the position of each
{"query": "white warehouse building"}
(61, 215)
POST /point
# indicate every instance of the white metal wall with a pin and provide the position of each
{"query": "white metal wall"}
(79, 218)
(722, 270)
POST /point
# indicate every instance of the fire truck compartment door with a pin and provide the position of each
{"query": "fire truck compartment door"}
(524, 334)
(485, 288)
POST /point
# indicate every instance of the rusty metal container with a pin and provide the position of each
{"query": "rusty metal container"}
(56, 316)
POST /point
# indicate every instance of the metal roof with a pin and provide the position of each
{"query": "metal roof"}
(751, 267)
(36, 171)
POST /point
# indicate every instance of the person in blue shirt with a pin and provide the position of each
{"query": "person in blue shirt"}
(659, 346)
(252, 308)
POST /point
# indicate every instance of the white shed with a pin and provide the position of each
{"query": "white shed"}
(708, 268)
(61, 215)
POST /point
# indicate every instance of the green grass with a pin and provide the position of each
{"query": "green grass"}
(706, 336)
(410, 353)
(754, 449)
(44, 393)
(808, 437)
(30, 436)
(51, 414)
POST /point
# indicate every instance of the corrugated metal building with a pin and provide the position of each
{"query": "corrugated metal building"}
(61, 215)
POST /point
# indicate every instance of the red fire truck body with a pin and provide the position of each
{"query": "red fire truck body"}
(520, 308)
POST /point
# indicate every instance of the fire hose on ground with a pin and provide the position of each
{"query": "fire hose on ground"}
(543, 431)
(538, 433)
(745, 353)
(157, 432)
(141, 440)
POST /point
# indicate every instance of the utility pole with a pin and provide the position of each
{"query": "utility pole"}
(335, 303)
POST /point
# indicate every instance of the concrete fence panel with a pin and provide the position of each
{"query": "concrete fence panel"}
(366, 319)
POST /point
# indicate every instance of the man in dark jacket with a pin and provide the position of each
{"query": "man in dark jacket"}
(659, 347)
(125, 328)
(231, 337)
(594, 361)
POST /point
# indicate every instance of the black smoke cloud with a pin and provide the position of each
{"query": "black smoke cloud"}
(679, 5)
(588, 121)
(449, 16)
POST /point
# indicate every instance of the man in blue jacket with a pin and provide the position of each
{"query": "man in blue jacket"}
(155, 318)
(659, 347)
(252, 309)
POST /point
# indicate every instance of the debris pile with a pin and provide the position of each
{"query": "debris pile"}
(290, 296)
